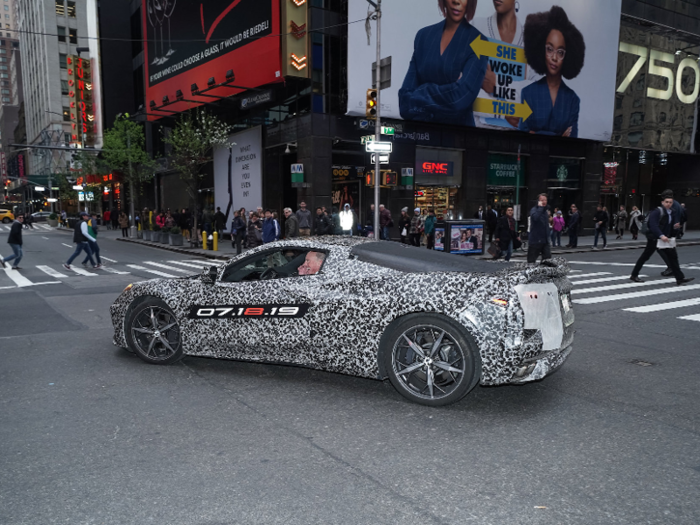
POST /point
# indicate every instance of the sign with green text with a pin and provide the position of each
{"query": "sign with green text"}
(503, 170)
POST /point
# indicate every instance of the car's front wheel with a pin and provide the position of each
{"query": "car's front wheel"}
(6, 220)
(153, 333)
(430, 359)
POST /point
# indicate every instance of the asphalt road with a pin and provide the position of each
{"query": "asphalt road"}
(90, 434)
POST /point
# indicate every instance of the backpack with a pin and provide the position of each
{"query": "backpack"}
(644, 230)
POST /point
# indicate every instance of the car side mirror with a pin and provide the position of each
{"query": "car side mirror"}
(210, 276)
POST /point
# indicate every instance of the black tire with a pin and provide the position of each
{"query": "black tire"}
(456, 349)
(152, 332)
(5, 220)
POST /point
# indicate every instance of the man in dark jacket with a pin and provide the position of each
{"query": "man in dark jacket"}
(238, 230)
(321, 224)
(506, 234)
(574, 221)
(601, 226)
(538, 241)
(385, 222)
(219, 221)
(664, 225)
(291, 224)
(81, 236)
(305, 221)
(271, 228)
(15, 242)
(491, 221)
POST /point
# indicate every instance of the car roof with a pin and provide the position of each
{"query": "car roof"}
(412, 259)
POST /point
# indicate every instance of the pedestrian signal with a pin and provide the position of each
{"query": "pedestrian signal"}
(371, 110)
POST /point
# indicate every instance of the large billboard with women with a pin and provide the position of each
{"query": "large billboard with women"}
(538, 66)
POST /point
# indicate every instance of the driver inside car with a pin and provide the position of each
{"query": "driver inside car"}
(312, 263)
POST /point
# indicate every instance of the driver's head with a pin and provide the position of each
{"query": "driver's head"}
(312, 263)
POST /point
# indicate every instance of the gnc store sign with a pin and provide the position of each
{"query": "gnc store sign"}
(440, 168)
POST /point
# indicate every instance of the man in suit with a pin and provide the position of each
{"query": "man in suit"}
(664, 224)
(479, 213)
(574, 221)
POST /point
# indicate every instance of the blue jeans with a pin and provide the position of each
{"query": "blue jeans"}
(556, 238)
(80, 246)
(509, 251)
(96, 250)
(17, 249)
(385, 233)
(600, 231)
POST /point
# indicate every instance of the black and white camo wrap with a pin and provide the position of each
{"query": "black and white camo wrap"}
(352, 303)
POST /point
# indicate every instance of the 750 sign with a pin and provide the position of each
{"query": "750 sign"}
(655, 68)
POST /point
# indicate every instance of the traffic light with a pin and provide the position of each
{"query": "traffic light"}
(369, 178)
(371, 110)
(389, 178)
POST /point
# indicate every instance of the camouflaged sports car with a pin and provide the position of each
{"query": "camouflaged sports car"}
(434, 324)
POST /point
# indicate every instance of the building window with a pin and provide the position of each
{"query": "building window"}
(73, 33)
(7, 7)
(63, 60)
(3, 59)
(71, 9)
(6, 99)
(7, 16)
(3, 51)
(61, 32)
(15, 45)
(5, 91)
(60, 8)
(66, 113)
(64, 87)
(4, 75)
(3, 67)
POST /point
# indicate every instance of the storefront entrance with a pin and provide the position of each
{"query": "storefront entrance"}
(440, 199)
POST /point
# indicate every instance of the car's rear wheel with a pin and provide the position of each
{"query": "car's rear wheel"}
(430, 359)
(153, 333)
(6, 220)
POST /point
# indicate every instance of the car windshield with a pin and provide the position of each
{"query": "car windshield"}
(276, 264)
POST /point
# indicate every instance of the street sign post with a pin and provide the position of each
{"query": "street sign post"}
(379, 147)
(383, 158)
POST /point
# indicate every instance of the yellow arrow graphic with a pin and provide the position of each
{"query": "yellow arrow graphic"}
(502, 107)
(496, 50)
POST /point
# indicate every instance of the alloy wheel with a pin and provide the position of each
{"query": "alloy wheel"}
(156, 333)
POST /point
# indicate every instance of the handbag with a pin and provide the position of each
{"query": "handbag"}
(494, 250)
(517, 244)
(404, 232)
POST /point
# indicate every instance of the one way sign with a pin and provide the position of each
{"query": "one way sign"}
(383, 158)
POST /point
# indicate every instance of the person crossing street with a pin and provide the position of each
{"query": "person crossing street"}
(15, 242)
(92, 230)
(81, 236)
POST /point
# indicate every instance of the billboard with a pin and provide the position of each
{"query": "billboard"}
(538, 66)
(189, 42)
(238, 173)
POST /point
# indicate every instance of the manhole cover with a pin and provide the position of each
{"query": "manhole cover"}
(639, 362)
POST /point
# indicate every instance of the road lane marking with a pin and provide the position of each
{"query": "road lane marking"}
(605, 279)
(589, 275)
(21, 281)
(45, 226)
(622, 286)
(186, 264)
(663, 306)
(617, 264)
(67, 245)
(208, 262)
(80, 271)
(112, 270)
(695, 317)
(52, 272)
(44, 237)
(155, 272)
(108, 259)
(167, 267)
(635, 295)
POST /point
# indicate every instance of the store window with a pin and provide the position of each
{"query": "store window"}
(564, 182)
(438, 177)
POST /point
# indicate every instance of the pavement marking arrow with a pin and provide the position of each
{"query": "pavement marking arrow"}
(502, 107)
(496, 50)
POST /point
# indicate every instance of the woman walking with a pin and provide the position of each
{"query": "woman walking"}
(124, 224)
(620, 222)
(404, 225)
(635, 222)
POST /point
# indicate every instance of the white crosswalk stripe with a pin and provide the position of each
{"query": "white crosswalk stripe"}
(154, 272)
(695, 317)
(198, 267)
(80, 271)
(112, 270)
(596, 274)
(663, 306)
(108, 259)
(45, 226)
(171, 268)
(636, 295)
(21, 281)
(52, 272)
(603, 280)
(622, 286)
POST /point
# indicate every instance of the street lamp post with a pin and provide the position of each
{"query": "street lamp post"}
(378, 122)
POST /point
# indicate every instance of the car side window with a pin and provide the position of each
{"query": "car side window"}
(277, 264)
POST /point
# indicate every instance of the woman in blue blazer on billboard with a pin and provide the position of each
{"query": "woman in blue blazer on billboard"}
(556, 49)
(445, 75)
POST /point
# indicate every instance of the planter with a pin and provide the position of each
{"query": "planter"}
(164, 238)
(52, 223)
(139, 234)
(175, 239)
(155, 236)
(147, 235)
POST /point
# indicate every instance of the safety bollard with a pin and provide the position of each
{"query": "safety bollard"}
(204, 240)
(215, 246)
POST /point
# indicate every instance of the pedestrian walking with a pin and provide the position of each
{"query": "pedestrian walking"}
(291, 224)
(321, 224)
(106, 218)
(64, 219)
(123, 223)
(15, 242)
(238, 231)
(506, 236)
(270, 228)
(92, 230)
(635, 222)
(81, 236)
(430, 229)
(574, 222)
(28, 221)
(664, 225)
(620, 222)
(538, 240)
(405, 226)
(491, 221)
(219, 222)
(347, 220)
(416, 228)
(558, 224)
(385, 222)
(254, 232)
(601, 219)
(114, 217)
(480, 214)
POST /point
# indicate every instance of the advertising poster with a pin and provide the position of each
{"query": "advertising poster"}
(440, 239)
(467, 240)
(490, 64)
(190, 42)
(243, 189)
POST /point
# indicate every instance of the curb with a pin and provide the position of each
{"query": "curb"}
(175, 249)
